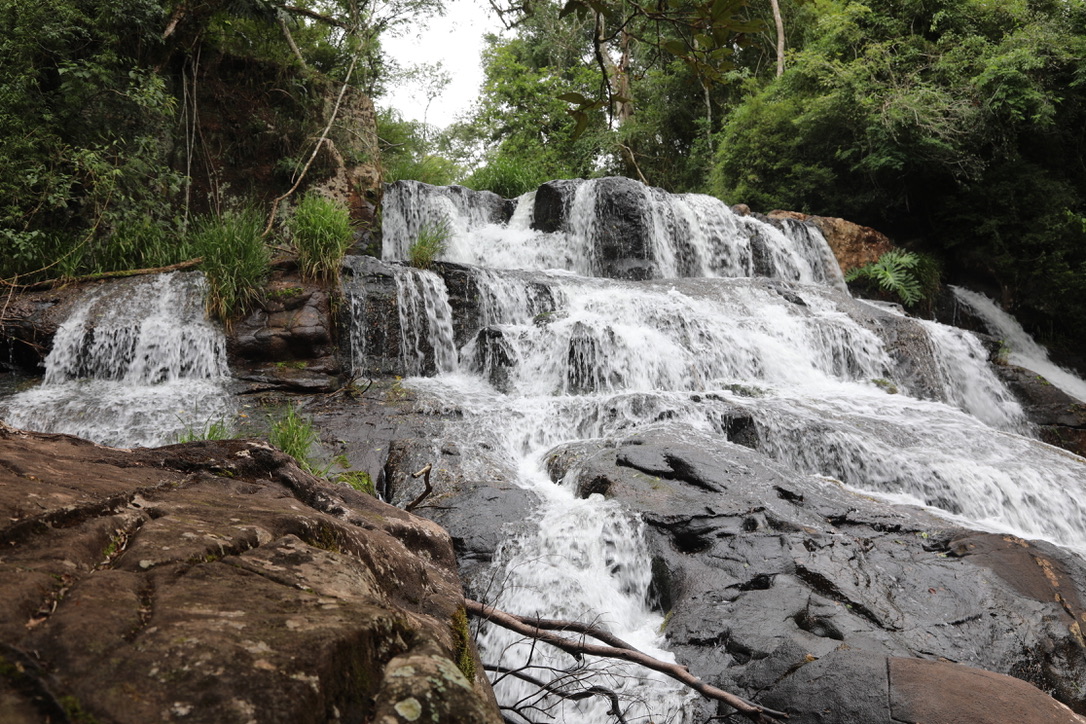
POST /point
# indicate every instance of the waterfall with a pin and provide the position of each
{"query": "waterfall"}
(425, 320)
(1021, 348)
(709, 314)
(687, 235)
(135, 363)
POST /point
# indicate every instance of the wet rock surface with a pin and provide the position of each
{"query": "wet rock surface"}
(217, 582)
(288, 341)
(763, 573)
(1060, 418)
(383, 433)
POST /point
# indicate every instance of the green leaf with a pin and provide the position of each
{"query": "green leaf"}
(676, 47)
(574, 98)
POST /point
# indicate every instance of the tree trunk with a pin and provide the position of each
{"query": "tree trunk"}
(780, 36)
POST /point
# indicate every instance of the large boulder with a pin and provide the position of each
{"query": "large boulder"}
(1060, 419)
(623, 226)
(218, 582)
(763, 571)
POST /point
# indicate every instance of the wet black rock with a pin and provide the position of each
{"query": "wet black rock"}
(763, 571)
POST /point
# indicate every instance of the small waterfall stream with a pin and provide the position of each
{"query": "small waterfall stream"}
(1022, 350)
(134, 364)
(733, 313)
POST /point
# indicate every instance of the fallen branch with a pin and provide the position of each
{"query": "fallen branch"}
(50, 283)
(425, 493)
(515, 623)
(616, 709)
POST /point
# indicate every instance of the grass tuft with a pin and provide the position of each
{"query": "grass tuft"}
(431, 242)
(235, 260)
(295, 435)
(321, 230)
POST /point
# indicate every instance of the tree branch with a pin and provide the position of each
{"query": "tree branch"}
(558, 691)
(50, 283)
(425, 493)
(515, 623)
(320, 143)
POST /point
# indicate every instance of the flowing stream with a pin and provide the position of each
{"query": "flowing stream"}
(738, 314)
(1021, 348)
(135, 363)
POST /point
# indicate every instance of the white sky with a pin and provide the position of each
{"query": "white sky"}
(456, 40)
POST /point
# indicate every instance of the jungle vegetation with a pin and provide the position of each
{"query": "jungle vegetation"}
(954, 127)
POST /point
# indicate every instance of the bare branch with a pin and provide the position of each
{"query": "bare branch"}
(755, 713)
(425, 493)
(50, 283)
(320, 143)
(577, 695)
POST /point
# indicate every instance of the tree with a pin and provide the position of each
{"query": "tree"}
(107, 140)
(955, 124)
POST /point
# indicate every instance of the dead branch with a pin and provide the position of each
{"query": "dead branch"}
(50, 283)
(425, 493)
(577, 695)
(515, 623)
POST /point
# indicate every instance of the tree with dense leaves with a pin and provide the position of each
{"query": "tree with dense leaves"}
(955, 124)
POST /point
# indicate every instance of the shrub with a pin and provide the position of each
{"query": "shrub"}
(235, 260)
(321, 230)
(431, 242)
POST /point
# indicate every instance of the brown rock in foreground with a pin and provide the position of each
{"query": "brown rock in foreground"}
(217, 582)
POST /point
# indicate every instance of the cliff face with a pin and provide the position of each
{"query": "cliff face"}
(218, 582)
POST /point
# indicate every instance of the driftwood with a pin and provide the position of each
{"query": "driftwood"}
(622, 652)
(425, 493)
(50, 283)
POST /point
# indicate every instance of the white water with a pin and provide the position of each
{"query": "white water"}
(589, 358)
(1022, 349)
(136, 364)
(691, 235)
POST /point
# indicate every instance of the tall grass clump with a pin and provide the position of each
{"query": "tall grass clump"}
(219, 429)
(295, 434)
(235, 260)
(431, 242)
(321, 230)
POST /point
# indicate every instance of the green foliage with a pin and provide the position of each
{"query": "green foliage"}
(430, 243)
(295, 435)
(896, 272)
(210, 429)
(359, 480)
(507, 177)
(321, 230)
(957, 125)
(235, 260)
(407, 152)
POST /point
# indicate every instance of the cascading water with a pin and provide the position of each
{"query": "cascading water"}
(134, 364)
(687, 235)
(1022, 349)
(886, 404)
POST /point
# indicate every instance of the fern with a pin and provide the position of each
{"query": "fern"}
(896, 272)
